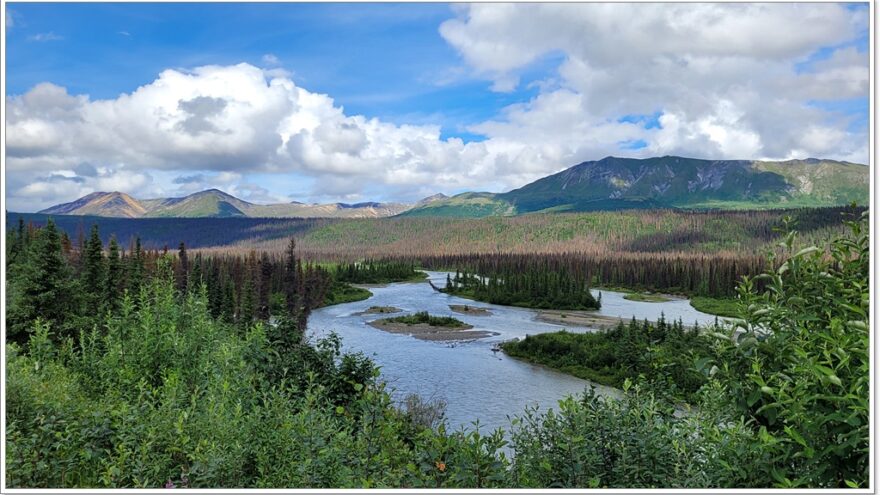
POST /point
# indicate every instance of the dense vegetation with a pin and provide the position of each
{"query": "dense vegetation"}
(691, 253)
(533, 284)
(373, 272)
(663, 350)
(423, 318)
(632, 231)
(156, 391)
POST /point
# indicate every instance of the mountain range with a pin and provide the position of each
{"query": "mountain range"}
(214, 203)
(607, 184)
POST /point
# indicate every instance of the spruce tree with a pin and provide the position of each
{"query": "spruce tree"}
(40, 287)
(94, 273)
(265, 286)
(182, 275)
(291, 279)
(114, 275)
(248, 301)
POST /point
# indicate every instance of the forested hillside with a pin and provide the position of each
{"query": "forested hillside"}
(354, 239)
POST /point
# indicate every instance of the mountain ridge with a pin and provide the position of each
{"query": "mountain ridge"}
(214, 203)
(611, 183)
(614, 183)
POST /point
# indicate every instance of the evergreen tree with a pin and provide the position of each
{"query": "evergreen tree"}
(292, 278)
(114, 275)
(248, 302)
(94, 273)
(265, 286)
(182, 275)
(136, 268)
(40, 287)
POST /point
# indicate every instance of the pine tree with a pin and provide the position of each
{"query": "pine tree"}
(182, 275)
(292, 277)
(40, 287)
(114, 275)
(265, 286)
(136, 269)
(94, 273)
(248, 301)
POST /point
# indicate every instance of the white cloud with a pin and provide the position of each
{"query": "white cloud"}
(8, 18)
(270, 59)
(722, 77)
(231, 119)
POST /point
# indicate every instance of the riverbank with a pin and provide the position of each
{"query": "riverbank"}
(578, 318)
(626, 352)
(647, 297)
(341, 293)
(726, 307)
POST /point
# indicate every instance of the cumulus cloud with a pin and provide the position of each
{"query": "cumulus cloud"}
(703, 80)
(724, 76)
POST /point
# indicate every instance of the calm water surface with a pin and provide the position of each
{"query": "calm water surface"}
(477, 383)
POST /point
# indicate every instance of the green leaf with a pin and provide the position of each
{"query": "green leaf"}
(753, 397)
(806, 250)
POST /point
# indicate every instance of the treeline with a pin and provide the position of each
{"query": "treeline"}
(73, 285)
(661, 350)
(531, 284)
(162, 233)
(377, 272)
(706, 275)
(589, 233)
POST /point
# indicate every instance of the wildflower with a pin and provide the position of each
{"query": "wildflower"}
(169, 484)
(440, 466)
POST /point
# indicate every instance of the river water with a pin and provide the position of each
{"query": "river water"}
(477, 383)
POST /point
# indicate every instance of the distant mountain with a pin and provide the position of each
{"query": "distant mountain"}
(114, 204)
(214, 203)
(670, 182)
(607, 184)
(431, 199)
(470, 204)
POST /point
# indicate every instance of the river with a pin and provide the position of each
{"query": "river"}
(477, 383)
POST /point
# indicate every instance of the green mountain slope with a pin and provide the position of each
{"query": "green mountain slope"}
(671, 182)
(465, 205)
(211, 203)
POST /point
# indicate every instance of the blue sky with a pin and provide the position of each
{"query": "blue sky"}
(380, 60)
(420, 98)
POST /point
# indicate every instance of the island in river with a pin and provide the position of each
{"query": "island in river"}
(423, 326)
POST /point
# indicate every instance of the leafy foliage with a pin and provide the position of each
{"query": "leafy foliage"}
(798, 363)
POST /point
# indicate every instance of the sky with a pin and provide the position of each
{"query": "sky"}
(395, 102)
